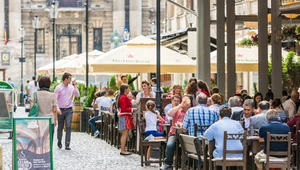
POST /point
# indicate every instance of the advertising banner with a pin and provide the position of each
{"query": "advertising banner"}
(32, 144)
(6, 106)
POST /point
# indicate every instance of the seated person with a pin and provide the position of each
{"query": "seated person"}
(294, 121)
(200, 115)
(103, 103)
(274, 126)
(244, 116)
(177, 113)
(216, 131)
(260, 119)
(175, 101)
(151, 117)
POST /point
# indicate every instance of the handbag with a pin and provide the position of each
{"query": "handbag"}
(34, 111)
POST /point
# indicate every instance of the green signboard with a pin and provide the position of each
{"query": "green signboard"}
(32, 143)
(6, 86)
(6, 106)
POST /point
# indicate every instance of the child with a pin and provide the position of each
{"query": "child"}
(151, 117)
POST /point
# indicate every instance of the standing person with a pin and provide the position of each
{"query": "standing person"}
(125, 116)
(32, 87)
(123, 80)
(64, 93)
(46, 101)
(10, 82)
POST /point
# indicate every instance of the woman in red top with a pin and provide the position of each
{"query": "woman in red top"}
(203, 88)
(175, 90)
(294, 121)
(125, 113)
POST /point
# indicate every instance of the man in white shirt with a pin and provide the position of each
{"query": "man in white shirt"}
(32, 87)
(289, 106)
(103, 104)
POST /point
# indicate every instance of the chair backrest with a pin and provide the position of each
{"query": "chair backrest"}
(280, 138)
(187, 143)
(141, 127)
(201, 128)
(242, 137)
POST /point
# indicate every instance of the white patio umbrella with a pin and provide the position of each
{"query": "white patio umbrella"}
(246, 59)
(75, 66)
(47, 69)
(139, 56)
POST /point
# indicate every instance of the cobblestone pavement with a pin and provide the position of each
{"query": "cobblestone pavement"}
(88, 153)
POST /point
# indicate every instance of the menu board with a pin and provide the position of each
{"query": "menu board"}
(32, 144)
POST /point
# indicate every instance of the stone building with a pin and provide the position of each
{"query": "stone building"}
(105, 17)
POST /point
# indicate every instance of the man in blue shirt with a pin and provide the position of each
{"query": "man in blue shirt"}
(216, 131)
(274, 126)
(260, 119)
(200, 115)
(175, 101)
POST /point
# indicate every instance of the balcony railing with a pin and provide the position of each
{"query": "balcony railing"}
(70, 3)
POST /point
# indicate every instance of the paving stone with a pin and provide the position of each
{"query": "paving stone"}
(87, 153)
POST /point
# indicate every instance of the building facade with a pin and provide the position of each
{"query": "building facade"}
(105, 18)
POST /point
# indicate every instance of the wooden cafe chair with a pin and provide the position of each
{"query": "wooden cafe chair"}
(271, 162)
(189, 150)
(224, 161)
(161, 143)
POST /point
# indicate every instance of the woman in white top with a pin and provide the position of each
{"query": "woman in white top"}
(152, 117)
(146, 93)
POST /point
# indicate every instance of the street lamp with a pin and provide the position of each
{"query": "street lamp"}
(126, 35)
(35, 26)
(153, 27)
(190, 18)
(86, 46)
(53, 15)
(22, 60)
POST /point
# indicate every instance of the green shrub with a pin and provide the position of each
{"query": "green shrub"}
(113, 83)
(90, 96)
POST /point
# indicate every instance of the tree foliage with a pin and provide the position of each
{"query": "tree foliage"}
(290, 72)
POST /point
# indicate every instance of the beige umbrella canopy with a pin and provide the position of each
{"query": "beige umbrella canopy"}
(246, 59)
(47, 69)
(75, 66)
(72, 64)
(139, 56)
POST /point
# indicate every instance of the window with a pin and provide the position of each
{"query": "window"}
(97, 39)
(40, 41)
(127, 9)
